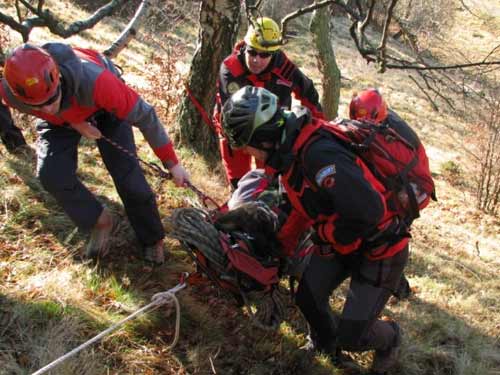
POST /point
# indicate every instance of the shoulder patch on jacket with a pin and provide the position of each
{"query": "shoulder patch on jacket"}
(325, 177)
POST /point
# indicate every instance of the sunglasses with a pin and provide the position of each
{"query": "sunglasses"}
(262, 55)
(50, 101)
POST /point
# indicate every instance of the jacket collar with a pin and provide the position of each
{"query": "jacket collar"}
(283, 157)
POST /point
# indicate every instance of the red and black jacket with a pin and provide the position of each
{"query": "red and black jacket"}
(331, 189)
(282, 77)
(90, 83)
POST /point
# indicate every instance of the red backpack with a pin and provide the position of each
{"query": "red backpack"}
(395, 156)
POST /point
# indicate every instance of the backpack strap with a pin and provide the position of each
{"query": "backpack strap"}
(414, 210)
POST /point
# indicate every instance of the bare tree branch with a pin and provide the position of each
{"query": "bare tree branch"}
(29, 6)
(129, 32)
(310, 8)
(360, 8)
(410, 66)
(459, 82)
(11, 22)
(383, 40)
(468, 9)
(358, 27)
(491, 52)
(436, 89)
(368, 17)
(44, 18)
(434, 105)
(41, 3)
(365, 53)
(105, 11)
(18, 11)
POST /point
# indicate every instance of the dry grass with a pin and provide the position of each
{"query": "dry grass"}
(51, 301)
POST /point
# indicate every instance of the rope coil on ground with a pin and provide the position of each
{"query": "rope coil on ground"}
(194, 227)
(157, 300)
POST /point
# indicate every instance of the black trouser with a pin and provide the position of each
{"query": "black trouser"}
(57, 165)
(11, 136)
(358, 327)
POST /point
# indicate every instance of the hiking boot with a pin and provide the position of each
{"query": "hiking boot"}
(98, 244)
(403, 291)
(386, 359)
(314, 347)
(337, 356)
(155, 253)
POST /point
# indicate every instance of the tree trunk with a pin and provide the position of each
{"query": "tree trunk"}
(327, 65)
(219, 22)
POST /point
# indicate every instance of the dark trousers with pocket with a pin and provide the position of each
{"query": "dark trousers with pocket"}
(358, 328)
(57, 170)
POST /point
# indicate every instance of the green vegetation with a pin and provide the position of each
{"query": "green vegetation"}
(452, 172)
(52, 300)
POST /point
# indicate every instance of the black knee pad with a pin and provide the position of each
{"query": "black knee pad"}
(351, 334)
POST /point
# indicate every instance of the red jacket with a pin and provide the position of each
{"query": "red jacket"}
(282, 77)
(332, 190)
(90, 83)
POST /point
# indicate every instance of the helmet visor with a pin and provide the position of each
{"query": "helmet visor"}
(49, 101)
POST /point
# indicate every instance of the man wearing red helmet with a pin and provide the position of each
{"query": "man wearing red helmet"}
(369, 105)
(331, 189)
(75, 92)
(258, 61)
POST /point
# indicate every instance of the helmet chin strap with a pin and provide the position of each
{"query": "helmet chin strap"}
(281, 156)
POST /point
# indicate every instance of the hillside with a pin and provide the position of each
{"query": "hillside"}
(52, 300)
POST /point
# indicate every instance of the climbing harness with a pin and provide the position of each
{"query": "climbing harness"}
(157, 300)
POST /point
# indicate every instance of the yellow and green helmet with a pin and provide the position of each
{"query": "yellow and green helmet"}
(264, 35)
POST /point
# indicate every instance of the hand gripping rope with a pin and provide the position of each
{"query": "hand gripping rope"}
(157, 300)
(205, 199)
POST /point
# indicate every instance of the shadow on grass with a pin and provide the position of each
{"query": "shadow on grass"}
(51, 218)
(32, 334)
(436, 342)
(214, 332)
(448, 341)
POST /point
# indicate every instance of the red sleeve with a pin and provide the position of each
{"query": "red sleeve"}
(291, 231)
(167, 154)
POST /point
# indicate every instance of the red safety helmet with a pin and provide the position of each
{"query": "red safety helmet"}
(368, 105)
(32, 74)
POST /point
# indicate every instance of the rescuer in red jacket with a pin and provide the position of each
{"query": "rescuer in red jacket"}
(369, 105)
(333, 191)
(75, 92)
(254, 62)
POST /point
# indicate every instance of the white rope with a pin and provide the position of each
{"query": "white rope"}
(156, 301)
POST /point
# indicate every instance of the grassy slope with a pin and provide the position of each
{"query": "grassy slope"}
(51, 301)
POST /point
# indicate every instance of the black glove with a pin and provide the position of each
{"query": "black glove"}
(11, 135)
(323, 248)
(13, 139)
